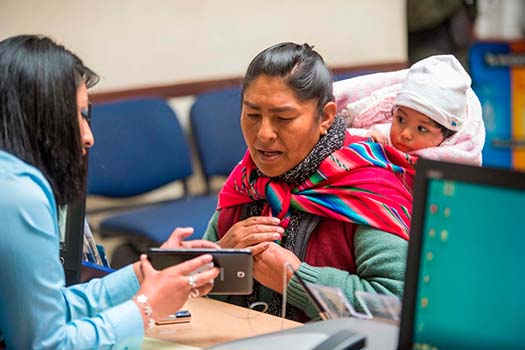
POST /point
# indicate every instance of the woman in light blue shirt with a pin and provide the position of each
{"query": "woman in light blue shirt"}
(44, 134)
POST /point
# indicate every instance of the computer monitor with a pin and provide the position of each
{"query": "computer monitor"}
(465, 279)
(71, 224)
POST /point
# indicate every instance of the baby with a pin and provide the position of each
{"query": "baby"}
(430, 107)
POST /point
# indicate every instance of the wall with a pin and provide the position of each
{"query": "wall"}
(134, 43)
(139, 44)
(501, 19)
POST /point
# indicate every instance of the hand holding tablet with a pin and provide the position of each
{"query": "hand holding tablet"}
(235, 264)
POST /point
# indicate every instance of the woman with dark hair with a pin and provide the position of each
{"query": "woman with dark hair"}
(44, 135)
(309, 194)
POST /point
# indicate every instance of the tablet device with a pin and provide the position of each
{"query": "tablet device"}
(235, 266)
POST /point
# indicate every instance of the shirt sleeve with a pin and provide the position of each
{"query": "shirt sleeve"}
(36, 310)
(90, 299)
(211, 233)
(380, 268)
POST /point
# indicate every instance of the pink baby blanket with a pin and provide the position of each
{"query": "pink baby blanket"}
(366, 101)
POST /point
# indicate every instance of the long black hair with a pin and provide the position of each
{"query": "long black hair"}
(300, 66)
(38, 110)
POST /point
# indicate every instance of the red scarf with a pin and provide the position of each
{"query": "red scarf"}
(335, 190)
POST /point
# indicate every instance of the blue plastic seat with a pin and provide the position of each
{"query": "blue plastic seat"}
(215, 124)
(139, 147)
(156, 222)
(353, 74)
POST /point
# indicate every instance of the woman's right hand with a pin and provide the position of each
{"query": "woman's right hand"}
(168, 289)
(252, 231)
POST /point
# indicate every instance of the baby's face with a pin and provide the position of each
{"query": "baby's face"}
(412, 130)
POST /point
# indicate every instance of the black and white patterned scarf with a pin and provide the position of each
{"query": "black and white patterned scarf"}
(294, 239)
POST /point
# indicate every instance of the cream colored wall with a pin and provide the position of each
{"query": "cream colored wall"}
(133, 43)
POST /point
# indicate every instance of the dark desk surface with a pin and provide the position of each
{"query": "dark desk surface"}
(379, 335)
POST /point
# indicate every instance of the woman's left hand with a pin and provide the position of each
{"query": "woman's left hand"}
(176, 240)
(269, 266)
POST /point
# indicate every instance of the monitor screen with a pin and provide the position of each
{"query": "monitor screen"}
(71, 226)
(62, 219)
(465, 278)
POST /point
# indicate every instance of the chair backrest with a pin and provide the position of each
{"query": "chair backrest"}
(353, 74)
(215, 124)
(139, 146)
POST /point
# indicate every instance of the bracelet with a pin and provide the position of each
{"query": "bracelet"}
(148, 310)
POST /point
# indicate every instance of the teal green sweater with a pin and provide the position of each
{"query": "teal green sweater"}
(380, 259)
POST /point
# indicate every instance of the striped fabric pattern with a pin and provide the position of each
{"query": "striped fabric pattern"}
(337, 190)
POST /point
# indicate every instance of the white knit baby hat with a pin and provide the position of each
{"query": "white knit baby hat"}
(437, 87)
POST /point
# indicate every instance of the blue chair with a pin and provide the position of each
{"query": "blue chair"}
(353, 74)
(139, 147)
(215, 126)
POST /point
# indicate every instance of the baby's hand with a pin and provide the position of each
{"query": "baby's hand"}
(377, 137)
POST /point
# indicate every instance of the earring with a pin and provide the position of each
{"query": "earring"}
(323, 133)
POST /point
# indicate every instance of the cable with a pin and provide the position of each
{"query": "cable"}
(251, 307)
(249, 314)
(265, 305)
(259, 303)
(285, 288)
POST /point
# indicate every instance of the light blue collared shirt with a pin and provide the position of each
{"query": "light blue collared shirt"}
(36, 309)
